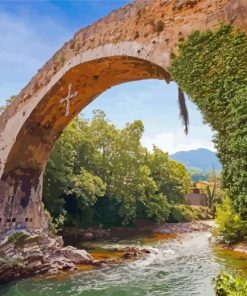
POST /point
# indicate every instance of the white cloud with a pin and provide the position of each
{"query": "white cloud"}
(172, 142)
(155, 103)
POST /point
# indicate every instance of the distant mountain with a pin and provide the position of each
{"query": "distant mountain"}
(201, 159)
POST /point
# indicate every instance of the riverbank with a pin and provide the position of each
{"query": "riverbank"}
(141, 228)
(182, 265)
(240, 248)
(27, 254)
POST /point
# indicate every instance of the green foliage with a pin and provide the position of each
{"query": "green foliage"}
(215, 193)
(230, 226)
(211, 195)
(55, 223)
(229, 285)
(18, 238)
(106, 212)
(198, 175)
(212, 69)
(157, 208)
(202, 213)
(171, 177)
(182, 213)
(98, 174)
(186, 213)
(87, 188)
(7, 103)
(2, 108)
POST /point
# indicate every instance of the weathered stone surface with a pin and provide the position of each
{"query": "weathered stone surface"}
(179, 4)
(40, 253)
(132, 43)
(133, 252)
(76, 256)
(36, 254)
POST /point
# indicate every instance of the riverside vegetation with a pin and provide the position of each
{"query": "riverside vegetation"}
(211, 70)
(98, 174)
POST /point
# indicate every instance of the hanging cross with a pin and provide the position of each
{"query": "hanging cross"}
(68, 98)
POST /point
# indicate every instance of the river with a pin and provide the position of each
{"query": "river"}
(182, 266)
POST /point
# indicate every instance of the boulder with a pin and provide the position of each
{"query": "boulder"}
(76, 256)
(36, 254)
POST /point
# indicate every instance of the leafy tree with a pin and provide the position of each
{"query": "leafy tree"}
(59, 171)
(87, 188)
(100, 174)
(171, 177)
(230, 227)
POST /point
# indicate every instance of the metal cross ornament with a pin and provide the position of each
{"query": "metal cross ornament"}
(67, 99)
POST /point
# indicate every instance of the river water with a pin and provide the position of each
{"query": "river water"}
(182, 266)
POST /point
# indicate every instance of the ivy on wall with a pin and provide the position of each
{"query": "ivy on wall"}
(212, 69)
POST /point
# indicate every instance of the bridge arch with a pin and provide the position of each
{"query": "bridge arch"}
(132, 43)
(22, 174)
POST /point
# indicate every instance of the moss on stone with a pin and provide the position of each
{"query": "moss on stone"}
(18, 238)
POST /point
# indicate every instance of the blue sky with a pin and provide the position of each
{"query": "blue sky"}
(31, 31)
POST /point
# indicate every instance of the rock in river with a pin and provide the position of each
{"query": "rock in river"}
(24, 254)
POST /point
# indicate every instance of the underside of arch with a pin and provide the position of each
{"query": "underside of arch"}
(21, 181)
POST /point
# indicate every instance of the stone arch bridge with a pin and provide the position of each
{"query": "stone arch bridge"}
(132, 43)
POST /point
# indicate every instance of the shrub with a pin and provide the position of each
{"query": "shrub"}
(18, 238)
(229, 285)
(55, 224)
(231, 228)
(157, 209)
(202, 213)
(186, 213)
(182, 213)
